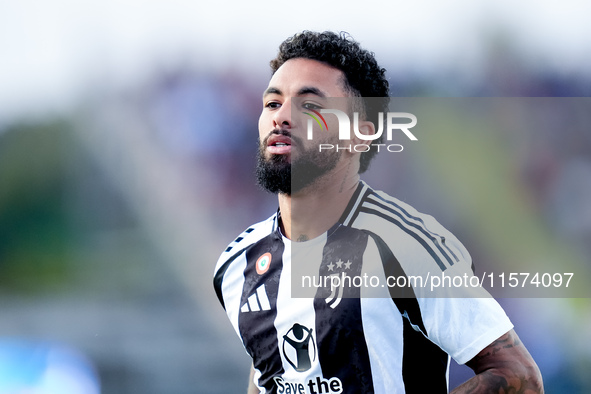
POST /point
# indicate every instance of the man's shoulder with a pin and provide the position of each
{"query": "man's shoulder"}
(405, 229)
(375, 206)
(236, 248)
(249, 236)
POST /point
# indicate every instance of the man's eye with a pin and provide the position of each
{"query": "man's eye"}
(312, 106)
(272, 105)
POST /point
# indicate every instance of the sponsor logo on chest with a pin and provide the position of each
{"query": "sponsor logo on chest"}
(314, 385)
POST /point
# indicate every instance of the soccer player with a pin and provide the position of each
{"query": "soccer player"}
(339, 341)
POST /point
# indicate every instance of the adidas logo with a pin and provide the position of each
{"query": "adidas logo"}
(257, 302)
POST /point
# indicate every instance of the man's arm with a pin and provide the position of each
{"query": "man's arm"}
(505, 366)
(252, 389)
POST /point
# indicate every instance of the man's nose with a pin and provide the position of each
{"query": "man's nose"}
(282, 117)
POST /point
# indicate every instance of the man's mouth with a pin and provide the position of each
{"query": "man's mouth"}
(278, 144)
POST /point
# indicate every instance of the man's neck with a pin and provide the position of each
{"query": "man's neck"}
(314, 210)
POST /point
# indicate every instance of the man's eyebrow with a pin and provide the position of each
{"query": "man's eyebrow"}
(305, 90)
(271, 90)
(311, 90)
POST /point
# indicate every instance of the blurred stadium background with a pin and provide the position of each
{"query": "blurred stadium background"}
(127, 140)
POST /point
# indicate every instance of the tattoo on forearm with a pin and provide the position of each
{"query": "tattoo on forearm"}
(504, 342)
(489, 382)
(505, 366)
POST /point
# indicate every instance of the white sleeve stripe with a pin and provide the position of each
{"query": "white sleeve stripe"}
(427, 242)
(438, 239)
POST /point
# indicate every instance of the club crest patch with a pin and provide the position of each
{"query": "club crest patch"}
(263, 263)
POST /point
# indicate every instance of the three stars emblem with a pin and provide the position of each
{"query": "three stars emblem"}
(339, 264)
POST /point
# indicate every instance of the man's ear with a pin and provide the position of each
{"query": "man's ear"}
(366, 128)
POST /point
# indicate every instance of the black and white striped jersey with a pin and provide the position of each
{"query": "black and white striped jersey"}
(349, 338)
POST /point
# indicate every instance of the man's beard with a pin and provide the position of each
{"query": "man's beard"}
(277, 175)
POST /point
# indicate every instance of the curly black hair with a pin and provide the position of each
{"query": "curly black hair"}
(364, 77)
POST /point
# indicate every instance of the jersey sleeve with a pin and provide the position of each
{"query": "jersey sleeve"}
(459, 315)
(462, 327)
(461, 320)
